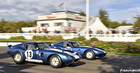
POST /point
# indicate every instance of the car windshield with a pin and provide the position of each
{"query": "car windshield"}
(43, 46)
(75, 44)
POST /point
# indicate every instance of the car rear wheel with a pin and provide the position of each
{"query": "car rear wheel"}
(90, 55)
(55, 61)
(18, 58)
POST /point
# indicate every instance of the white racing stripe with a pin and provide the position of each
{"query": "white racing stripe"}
(96, 49)
(100, 50)
(72, 54)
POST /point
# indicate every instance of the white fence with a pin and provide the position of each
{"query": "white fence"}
(9, 43)
(102, 37)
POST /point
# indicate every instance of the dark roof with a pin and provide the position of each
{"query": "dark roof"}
(65, 11)
(61, 19)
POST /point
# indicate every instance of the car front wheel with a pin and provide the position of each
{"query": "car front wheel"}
(55, 61)
(90, 55)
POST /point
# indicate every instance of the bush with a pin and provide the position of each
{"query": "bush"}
(119, 47)
(17, 38)
(138, 40)
(93, 39)
(39, 37)
(80, 38)
(56, 38)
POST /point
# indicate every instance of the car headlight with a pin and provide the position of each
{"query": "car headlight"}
(68, 57)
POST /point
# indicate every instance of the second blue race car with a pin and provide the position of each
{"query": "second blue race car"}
(87, 52)
(42, 53)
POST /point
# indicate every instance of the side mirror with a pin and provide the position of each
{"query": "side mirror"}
(52, 44)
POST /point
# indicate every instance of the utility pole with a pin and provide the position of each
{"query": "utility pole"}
(87, 19)
(65, 5)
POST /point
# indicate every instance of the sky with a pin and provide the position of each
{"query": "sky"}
(28, 10)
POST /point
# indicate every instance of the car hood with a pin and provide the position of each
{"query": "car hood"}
(92, 48)
(89, 47)
(71, 53)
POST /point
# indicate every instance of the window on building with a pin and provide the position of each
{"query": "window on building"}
(45, 25)
(59, 24)
(69, 25)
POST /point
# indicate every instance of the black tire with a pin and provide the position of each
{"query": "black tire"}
(89, 55)
(17, 57)
(55, 61)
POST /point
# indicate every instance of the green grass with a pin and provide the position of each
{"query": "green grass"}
(3, 47)
(9, 40)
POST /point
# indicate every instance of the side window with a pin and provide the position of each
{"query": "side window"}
(29, 47)
(64, 44)
(41, 46)
(68, 44)
(25, 47)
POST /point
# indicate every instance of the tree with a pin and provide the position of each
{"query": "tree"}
(82, 13)
(137, 22)
(113, 24)
(103, 15)
(13, 27)
(125, 24)
(2, 23)
(9, 26)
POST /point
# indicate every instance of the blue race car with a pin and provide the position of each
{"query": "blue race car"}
(42, 53)
(87, 52)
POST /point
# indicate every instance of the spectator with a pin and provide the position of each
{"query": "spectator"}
(90, 32)
(123, 32)
(79, 33)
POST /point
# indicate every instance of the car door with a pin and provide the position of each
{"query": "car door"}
(66, 46)
(40, 52)
(30, 52)
(74, 46)
(61, 46)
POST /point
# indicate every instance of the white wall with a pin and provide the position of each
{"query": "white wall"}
(77, 24)
(102, 37)
(74, 24)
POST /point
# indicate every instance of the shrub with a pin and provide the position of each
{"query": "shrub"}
(138, 40)
(93, 39)
(56, 38)
(39, 37)
(17, 38)
(80, 38)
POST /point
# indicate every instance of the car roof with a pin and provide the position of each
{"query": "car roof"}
(31, 42)
(68, 41)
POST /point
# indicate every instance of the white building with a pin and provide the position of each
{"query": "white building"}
(66, 21)
(124, 29)
(63, 21)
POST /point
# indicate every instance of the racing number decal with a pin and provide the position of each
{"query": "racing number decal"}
(29, 54)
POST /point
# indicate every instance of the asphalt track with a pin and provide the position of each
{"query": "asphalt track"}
(109, 64)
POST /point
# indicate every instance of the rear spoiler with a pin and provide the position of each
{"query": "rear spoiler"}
(9, 46)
